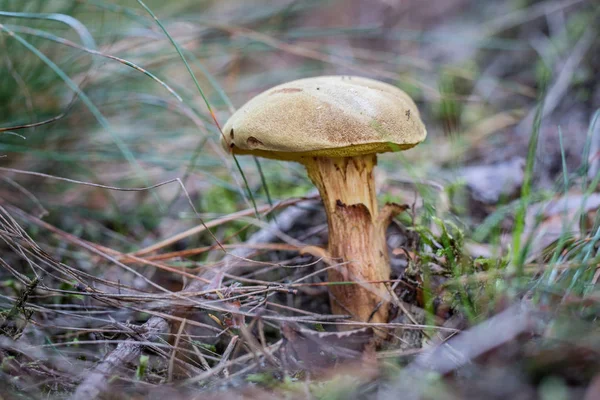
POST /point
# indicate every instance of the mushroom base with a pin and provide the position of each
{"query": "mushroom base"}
(356, 235)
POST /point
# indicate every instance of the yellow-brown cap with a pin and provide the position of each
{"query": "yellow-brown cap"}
(331, 116)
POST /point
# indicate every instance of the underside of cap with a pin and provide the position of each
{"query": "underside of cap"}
(349, 151)
(330, 116)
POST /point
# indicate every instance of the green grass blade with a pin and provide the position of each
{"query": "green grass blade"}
(519, 252)
(86, 38)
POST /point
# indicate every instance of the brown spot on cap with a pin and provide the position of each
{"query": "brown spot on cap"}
(253, 142)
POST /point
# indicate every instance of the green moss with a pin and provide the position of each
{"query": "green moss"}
(219, 200)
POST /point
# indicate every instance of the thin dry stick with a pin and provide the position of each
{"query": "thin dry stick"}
(96, 381)
(255, 347)
(199, 354)
(226, 355)
(201, 250)
(174, 352)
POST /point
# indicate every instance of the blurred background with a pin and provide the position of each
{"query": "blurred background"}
(477, 71)
(129, 94)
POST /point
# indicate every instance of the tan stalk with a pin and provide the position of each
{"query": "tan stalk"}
(356, 234)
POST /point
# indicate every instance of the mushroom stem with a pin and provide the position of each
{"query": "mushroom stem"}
(356, 234)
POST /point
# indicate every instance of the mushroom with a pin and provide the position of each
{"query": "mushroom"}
(335, 126)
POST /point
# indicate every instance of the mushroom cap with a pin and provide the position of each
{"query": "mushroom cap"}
(329, 116)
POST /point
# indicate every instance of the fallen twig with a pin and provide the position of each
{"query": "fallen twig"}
(96, 380)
